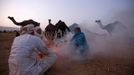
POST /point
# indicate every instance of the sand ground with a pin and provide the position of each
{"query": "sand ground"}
(97, 65)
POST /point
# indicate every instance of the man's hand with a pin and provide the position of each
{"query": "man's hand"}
(41, 55)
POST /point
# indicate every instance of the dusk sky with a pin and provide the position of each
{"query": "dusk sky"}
(70, 11)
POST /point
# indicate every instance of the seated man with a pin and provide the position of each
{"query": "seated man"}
(79, 41)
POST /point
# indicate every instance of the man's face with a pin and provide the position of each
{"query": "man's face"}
(39, 31)
(76, 30)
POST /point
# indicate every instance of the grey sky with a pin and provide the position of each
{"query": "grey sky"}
(69, 11)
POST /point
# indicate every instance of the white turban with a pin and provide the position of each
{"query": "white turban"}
(30, 29)
(27, 29)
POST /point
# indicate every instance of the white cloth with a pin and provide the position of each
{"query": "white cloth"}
(21, 61)
(27, 29)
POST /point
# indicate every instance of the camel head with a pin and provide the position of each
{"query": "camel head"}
(11, 18)
(98, 21)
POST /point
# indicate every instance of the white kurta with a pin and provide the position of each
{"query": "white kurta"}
(22, 60)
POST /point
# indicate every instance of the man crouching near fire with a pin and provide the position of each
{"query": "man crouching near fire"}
(29, 55)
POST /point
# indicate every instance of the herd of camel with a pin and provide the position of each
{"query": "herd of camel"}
(60, 28)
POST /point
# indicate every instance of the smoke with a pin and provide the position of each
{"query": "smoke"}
(126, 18)
(119, 44)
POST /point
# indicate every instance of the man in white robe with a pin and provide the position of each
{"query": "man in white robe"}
(23, 59)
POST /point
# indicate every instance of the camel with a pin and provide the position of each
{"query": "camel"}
(109, 27)
(61, 26)
(50, 27)
(24, 23)
(50, 31)
(57, 30)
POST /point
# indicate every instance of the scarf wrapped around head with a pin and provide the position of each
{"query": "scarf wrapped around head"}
(27, 29)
